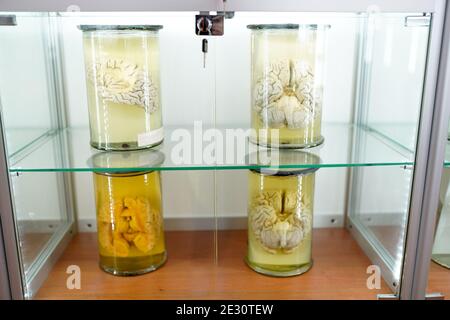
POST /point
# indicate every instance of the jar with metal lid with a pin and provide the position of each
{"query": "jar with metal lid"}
(123, 86)
(280, 216)
(129, 212)
(287, 84)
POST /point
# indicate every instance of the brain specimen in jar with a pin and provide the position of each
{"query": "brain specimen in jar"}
(124, 223)
(283, 96)
(124, 82)
(280, 220)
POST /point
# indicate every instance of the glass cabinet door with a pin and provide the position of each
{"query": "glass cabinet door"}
(390, 108)
(243, 219)
(30, 103)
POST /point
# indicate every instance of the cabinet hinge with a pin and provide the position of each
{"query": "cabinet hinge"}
(8, 20)
(418, 21)
(387, 296)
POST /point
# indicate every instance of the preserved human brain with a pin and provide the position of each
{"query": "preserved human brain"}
(124, 82)
(128, 222)
(280, 220)
(283, 96)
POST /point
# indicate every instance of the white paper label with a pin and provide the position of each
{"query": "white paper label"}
(149, 138)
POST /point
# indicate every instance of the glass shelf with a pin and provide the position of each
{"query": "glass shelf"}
(19, 139)
(401, 134)
(373, 150)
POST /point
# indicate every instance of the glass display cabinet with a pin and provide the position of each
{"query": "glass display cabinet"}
(349, 217)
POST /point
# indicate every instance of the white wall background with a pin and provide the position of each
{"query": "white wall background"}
(24, 86)
(191, 93)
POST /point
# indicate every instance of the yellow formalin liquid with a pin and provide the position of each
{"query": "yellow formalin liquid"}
(129, 222)
(286, 137)
(279, 262)
(116, 126)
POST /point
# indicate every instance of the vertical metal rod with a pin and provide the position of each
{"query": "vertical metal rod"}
(216, 217)
(351, 139)
(361, 74)
(8, 20)
(5, 290)
(216, 222)
(7, 223)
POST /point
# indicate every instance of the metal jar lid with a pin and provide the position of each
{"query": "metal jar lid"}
(126, 162)
(96, 27)
(279, 162)
(286, 26)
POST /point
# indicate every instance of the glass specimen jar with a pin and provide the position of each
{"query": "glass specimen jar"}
(129, 213)
(287, 84)
(123, 86)
(280, 217)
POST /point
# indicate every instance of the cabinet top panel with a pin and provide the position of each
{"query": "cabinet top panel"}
(223, 5)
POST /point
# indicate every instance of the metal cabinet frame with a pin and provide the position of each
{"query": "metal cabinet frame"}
(429, 160)
(431, 143)
(11, 285)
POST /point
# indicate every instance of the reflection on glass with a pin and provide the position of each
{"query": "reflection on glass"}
(448, 137)
(37, 220)
(441, 249)
(379, 210)
(25, 83)
(394, 66)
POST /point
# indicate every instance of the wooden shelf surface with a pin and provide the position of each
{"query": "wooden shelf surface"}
(192, 272)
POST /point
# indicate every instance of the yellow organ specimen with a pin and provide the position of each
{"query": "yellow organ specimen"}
(130, 224)
(133, 222)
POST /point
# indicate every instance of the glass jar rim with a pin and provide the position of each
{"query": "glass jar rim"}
(287, 161)
(285, 26)
(102, 27)
(126, 162)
